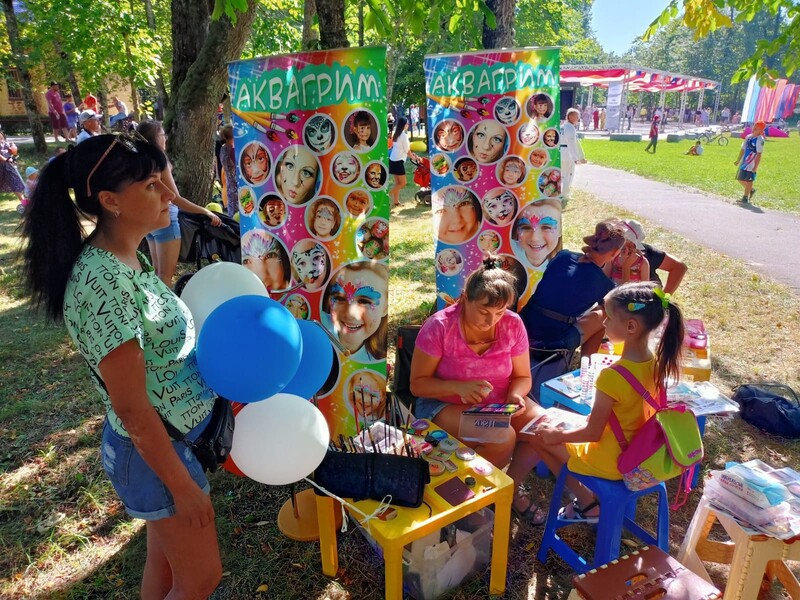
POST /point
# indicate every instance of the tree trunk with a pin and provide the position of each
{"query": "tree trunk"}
(310, 37)
(192, 116)
(331, 24)
(190, 23)
(73, 80)
(18, 57)
(163, 98)
(502, 36)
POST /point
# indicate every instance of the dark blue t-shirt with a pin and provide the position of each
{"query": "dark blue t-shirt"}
(568, 287)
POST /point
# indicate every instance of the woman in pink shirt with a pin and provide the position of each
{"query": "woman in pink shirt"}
(476, 352)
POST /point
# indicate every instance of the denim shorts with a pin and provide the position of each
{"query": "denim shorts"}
(428, 408)
(137, 486)
(169, 233)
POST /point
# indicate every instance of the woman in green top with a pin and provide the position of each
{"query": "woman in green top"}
(138, 339)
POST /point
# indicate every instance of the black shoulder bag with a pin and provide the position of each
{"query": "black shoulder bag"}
(214, 444)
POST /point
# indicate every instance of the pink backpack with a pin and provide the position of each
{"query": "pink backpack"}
(668, 445)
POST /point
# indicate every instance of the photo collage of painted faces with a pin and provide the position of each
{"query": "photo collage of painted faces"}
(314, 212)
(495, 164)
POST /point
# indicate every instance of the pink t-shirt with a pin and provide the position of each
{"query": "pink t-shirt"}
(441, 336)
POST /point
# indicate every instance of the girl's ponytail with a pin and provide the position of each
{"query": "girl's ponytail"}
(670, 348)
(53, 235)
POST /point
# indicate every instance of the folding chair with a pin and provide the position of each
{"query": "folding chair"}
(406, 340)
(547, 364)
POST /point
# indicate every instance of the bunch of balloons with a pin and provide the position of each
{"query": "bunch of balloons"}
(251, 350)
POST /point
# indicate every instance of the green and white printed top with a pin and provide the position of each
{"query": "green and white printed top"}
(107, 304)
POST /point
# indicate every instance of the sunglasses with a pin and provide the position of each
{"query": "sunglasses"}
(127, 141)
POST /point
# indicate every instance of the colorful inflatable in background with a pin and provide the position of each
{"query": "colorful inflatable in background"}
(493, 123)
(310, 138)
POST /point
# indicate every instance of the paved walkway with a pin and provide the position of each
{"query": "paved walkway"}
(767, 240)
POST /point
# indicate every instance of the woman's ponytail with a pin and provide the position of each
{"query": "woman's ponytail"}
(53, 235)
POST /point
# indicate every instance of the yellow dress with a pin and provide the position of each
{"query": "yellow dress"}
(599, 459)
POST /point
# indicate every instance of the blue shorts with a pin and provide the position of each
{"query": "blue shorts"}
(169, 233)
(428, 408)
(137, 486)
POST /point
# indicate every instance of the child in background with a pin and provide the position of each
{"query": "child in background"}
(31, 178)
(696, 150)
(630, 264)
(229, 182)
(632, 312)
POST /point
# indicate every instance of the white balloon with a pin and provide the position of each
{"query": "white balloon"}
(279, 440)
(214, 285)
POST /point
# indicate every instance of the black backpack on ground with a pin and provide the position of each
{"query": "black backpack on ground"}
(773, 407)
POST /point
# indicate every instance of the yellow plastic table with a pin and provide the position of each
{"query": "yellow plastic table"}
(413, 523)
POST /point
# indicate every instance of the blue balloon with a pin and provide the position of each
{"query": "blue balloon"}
(249, 348)
(315, 364)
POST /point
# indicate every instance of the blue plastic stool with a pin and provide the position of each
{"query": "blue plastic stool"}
(617, 512)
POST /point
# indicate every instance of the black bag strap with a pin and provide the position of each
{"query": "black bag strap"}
(551, 314)
(172, 431)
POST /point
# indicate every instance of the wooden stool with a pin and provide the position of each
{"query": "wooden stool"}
(751, 557)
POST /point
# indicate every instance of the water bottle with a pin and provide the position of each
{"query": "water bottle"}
(584, 379)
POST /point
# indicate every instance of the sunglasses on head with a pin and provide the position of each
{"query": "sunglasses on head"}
(127, 141)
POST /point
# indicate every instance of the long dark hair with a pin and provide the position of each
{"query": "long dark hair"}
(644, 301)
(53, 232)
(149, 130)
(399, 127)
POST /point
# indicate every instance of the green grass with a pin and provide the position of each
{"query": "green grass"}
(63, 534)
(778, 181)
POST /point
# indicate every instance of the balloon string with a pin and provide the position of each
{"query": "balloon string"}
(387, 500)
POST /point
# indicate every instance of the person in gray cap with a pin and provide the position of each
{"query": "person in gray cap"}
(90, 122)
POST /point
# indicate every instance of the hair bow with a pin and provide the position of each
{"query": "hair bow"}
(665, 298)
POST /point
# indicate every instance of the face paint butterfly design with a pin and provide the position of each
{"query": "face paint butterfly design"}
(350, 292)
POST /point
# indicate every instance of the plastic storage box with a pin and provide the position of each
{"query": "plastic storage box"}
(440, 562)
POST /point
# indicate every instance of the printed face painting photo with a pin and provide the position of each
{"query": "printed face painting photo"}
(297, 175)
(361, 130)
(550, 182)
(487, 141)
(271, 211)
(466, 169)
(247, 203)
(528, 134)
(319, 133)
(323, 218)
(254, 163)
(489, 241)
(366, 396)
(456, 214)
(449, 262)
(372, 239)
(536, 235)
(345, 168)
(540, 107)
(550, 138)
(511, 171)
(448, 135)
(265, 256)
(375, 175)
(539, 158)
(507, 110)
(499, 206)
(311, 264)
(355, 309)
(358, 203)
(298, 306)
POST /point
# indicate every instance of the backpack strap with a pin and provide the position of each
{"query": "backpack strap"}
(637, 386)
